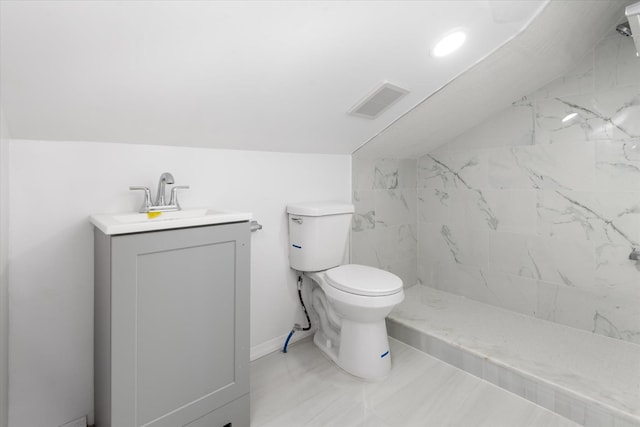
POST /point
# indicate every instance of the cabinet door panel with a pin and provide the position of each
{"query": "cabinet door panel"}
(176, 335)
(184, 326)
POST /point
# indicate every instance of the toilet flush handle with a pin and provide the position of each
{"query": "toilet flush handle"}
(298, 220)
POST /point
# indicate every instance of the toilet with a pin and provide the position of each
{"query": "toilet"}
(350, 300)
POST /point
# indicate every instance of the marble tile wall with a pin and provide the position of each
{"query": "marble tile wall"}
(384, 232)
(531, 213)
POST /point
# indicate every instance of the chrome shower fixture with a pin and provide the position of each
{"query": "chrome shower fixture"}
(624, 29)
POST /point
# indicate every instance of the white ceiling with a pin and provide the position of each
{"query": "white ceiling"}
(549, 47)
(263, 75)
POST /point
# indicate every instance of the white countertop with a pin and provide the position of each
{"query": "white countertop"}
(130, 222)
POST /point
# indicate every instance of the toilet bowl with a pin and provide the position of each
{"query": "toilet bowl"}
(352, 302)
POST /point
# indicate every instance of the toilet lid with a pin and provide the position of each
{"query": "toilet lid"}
(363, 280)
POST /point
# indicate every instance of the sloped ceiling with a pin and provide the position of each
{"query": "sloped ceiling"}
(562, 34)
(263, 75)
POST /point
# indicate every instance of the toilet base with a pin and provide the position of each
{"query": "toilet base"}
(326, 345)
(363, 350)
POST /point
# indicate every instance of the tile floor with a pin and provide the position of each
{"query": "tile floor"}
(304, 388)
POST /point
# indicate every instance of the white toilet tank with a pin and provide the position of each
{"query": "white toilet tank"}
(318, 234)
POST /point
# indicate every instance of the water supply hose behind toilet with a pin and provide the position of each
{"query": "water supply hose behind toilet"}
(298, 327)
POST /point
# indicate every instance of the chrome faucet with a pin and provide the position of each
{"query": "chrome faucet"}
(165, 178)
(160, 204)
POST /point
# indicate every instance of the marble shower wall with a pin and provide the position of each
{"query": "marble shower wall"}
(537, 215)
(384, 231)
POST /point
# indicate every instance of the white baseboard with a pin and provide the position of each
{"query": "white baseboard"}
(274, 344)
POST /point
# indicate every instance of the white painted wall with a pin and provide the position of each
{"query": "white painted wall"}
(55, 186)
(4, 272)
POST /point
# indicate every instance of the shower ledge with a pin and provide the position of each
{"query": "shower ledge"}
(588, 378)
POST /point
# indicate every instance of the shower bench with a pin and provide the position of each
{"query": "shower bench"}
(591, 379)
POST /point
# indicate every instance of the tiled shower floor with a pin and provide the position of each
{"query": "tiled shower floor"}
(589, 378)
(303, 388)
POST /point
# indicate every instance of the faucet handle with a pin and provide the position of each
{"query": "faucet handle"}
(174, 195)
(146, 203)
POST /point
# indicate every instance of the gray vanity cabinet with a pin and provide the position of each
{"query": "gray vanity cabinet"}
(172, 327)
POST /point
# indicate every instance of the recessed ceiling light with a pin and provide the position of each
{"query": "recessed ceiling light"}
(449, 43)
(569, 117)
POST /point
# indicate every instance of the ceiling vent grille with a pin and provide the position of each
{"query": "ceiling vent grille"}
(377, 102)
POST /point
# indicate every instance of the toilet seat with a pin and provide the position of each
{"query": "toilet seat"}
(363, 280)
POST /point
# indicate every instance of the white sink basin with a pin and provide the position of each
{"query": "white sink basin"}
(138, 222)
